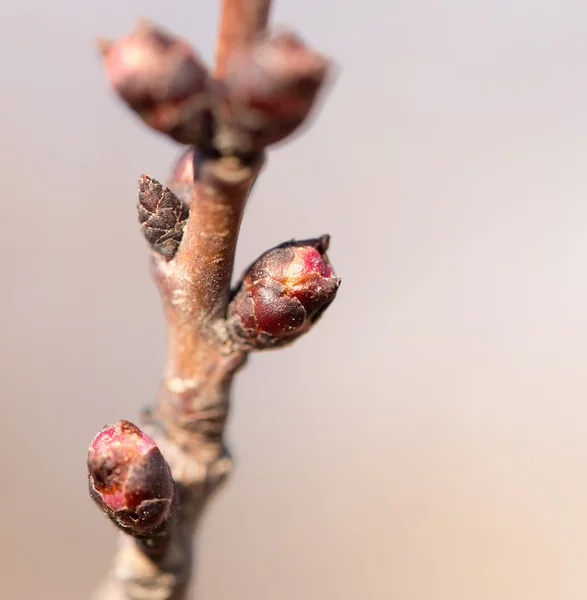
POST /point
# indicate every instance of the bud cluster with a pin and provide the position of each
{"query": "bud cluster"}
(267, 92)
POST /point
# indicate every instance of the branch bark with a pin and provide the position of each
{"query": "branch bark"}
(192, 262)
(240, 22)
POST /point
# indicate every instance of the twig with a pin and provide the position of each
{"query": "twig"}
(240, 22)
(210, 330)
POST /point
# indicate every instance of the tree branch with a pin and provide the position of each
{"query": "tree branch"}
(192, 229)
(240, 22)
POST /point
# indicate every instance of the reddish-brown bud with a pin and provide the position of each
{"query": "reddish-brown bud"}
(268, 91)
(181, 181)
(282, 294)
(163, 80)
(129, 478)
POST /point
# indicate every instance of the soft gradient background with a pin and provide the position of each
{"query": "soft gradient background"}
(428, 440)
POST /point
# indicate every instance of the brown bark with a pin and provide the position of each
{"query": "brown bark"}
(240, 23)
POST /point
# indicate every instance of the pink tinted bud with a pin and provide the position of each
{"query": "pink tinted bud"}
(163, 80)
(181, 181)
(282, 294)
(268, 92)
(129, 478)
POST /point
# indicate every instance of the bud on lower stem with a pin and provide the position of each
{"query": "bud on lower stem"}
(282, 294)
(161, 78)
(129, 478)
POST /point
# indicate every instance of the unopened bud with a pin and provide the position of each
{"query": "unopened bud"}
(129, 478)
(163, 80)
(267, 93)
(162, 216)
(181, 181)
(282, 294)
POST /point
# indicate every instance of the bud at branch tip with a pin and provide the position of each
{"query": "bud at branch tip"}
(163, 80)
(269, 90)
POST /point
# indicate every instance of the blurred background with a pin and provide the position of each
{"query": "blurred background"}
(427, 441)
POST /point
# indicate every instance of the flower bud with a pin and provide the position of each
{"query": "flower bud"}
(282, 294)
(161, 78)
(181, 181)
(268, 91)
(129, 478)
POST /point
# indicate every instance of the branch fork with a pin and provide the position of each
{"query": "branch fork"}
(155, 482)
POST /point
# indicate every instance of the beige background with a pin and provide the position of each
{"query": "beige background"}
(428, 440)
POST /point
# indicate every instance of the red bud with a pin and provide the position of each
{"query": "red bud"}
(268, 91)
(282, 294)
(129, 478)
(163, 80)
